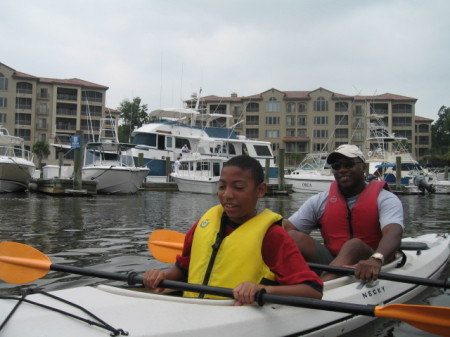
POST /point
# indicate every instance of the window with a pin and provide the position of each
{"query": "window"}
(272, 120)
(252, 120)
(273, 134)
(401, 108)
(3, 118)
(358, 110)
(379, 108)
(290, 121)
(301, 133)
(320, 133)
(320, 120)
(320, 104)
(23, 103)
(357, 124)
(252, 133)
(290, 132)
(252, 107)
(22, 133)
(92, 96)
(43, 108)
(42, 137)
(424, 140)
(301, 121)
(423, 128)
(42, 123)
(3, 102)
(341, 133)
(237, 110)
(301, 107)
(358, 136)
(401, 121)
(23, 119)
(319, 147)
(3, 82)
(43, 93)
(273, 105)
(341, 106)
(290, 107)
(403, 133)
(24, 88)
(341, 119)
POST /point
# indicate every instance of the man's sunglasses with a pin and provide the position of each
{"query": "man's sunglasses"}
(346, 164)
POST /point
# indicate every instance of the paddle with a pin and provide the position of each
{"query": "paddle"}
(20, 263)
(165, 244)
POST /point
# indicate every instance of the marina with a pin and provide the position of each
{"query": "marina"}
(110, 233)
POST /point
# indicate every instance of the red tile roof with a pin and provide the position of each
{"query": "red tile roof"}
(70, 81)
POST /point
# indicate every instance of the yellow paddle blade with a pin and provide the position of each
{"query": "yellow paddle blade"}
(425, 317)
(20, 263)
(165, 244)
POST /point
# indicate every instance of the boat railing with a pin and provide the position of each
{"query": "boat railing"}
(10, 151)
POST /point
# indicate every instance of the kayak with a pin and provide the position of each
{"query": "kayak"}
(112, 310)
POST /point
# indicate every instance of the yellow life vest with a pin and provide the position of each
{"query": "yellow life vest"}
(239, 257)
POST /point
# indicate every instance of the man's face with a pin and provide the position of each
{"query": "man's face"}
(349, 172)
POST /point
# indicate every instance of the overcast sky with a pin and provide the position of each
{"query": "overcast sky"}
(164, 50)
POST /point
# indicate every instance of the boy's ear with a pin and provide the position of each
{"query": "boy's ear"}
(261, 190)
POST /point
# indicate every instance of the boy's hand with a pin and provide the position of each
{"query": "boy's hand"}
(245, 293)
(152, 278)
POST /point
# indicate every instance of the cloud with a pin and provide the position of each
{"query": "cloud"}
(162, 51)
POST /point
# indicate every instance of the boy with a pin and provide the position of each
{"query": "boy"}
(232, 246)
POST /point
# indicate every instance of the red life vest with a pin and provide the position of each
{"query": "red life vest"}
(339, 224)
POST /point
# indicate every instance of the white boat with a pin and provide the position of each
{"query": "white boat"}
(383, 150)
(111, 165)
(313, 175)
(198, 175)
(16, 163)
(142, 313)
(163, 140)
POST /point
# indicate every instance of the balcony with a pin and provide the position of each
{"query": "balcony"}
(66, 112)
(66, 97)
(66, 126)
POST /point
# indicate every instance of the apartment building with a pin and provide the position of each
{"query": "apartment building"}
(48, 109)
(320, 120)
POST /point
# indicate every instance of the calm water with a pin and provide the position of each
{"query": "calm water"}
(110, 233)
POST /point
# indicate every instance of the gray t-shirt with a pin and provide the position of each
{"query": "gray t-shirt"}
(306, 219)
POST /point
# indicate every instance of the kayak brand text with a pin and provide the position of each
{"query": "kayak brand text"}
(373, 292)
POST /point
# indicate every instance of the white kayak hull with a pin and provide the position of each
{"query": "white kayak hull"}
(146, 314)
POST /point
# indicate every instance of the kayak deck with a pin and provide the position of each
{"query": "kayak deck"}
(147, 314)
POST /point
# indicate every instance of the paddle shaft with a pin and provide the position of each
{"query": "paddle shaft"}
(133, 278)
(384, 276)
(175, 240)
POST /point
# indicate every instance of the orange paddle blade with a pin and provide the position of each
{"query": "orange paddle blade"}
(20, 263)
(425, 317)
(165, 244)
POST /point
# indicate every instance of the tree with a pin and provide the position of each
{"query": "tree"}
(440, 133)
(134, 114)
(40, 149)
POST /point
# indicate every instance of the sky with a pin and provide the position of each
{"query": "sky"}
(164, 50)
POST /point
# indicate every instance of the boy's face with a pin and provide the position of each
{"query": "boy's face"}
(238, 193)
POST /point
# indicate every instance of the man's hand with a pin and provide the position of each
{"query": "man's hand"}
(368, 270)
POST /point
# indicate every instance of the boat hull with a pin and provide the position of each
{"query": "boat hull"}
(146, 314)
(309, 183)
(196, 185)
(115, 179)
(15, 174)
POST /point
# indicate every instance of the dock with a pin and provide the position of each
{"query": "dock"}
(272, 189)
(65, 186)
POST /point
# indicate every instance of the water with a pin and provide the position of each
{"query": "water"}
(110, 233)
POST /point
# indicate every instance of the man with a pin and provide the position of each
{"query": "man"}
(361, 223)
